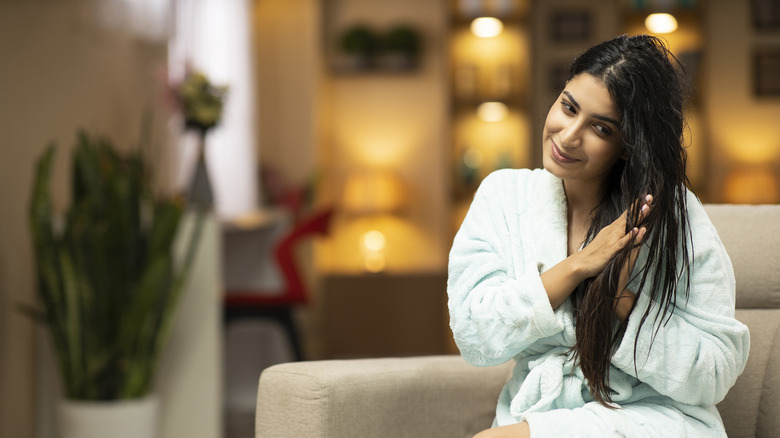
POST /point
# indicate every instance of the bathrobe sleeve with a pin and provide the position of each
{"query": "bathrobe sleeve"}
(698, 354)
(498, 305)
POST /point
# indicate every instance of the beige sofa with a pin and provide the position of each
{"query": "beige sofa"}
(442, 396)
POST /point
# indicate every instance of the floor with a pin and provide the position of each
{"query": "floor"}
(251, 345)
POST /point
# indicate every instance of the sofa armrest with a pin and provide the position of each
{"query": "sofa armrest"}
(751, 406)
(427, 396)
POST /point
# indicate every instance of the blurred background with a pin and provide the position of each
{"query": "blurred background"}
(386, 113)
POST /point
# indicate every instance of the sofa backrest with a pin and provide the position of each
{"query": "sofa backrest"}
(751, 235)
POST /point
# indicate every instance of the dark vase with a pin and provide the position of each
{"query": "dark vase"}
(200, 195)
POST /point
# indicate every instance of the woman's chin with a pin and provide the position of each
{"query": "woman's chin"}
(551, 166)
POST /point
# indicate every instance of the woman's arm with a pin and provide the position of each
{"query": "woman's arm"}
(497, 302)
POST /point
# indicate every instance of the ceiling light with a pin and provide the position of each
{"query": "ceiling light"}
(661, 23)
(486, 27)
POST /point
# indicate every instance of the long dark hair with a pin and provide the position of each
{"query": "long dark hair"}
(648, 87)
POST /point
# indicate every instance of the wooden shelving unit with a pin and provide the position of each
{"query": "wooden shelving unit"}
(495, 71)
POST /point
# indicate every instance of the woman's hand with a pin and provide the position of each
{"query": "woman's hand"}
(561, 280)
(611, 239)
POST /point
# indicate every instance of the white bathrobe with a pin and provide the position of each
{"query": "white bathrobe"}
(499, 310)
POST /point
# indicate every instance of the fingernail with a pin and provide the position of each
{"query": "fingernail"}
(645, 208)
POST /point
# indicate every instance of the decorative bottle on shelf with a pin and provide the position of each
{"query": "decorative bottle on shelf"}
(200, 194)
(201, 103)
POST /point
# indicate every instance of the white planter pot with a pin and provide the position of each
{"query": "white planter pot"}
(115, 419)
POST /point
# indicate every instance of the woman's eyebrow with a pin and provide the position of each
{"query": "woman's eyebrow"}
(572, 99)
(600, 117)
(607, 119)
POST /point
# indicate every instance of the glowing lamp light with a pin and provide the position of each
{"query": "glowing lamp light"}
(492, 111)
(486, 27)
(374, 262)
(373, 255)
(374, 240)
(661, 23)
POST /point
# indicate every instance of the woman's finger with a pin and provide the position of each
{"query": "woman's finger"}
(640, 237)
(644, 209)
(627, 239)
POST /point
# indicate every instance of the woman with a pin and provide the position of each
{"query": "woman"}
(601, 275)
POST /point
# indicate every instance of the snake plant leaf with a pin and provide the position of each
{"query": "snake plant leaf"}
(31, 312)
(72, 322)
(167, 216)
(45, 248)
(141, 322)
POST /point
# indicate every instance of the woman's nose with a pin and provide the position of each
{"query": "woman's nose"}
(570, 135)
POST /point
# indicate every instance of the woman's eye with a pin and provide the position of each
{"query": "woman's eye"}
(567, 107)
(603, 130)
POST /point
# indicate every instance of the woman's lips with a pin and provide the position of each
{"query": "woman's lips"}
(559, 156)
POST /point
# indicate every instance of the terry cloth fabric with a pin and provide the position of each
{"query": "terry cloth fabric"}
(499, 311)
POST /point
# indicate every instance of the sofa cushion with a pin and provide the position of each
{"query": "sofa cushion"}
(751, 407)
(751, 235)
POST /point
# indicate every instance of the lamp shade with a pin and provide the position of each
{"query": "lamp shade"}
(370, 193)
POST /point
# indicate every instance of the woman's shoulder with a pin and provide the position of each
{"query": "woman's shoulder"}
(521, 190)
(704, 236)
(697, 215)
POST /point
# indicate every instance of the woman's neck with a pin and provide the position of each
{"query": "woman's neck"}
(581, 202)
(581, 197)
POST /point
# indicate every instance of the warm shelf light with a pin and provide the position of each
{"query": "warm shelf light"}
(473, 158)
(661, 23)
(486, 27)
(492, 111)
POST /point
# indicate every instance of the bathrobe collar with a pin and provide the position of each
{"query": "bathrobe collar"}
(550, 223)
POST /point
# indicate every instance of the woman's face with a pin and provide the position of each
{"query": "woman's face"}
(581, 135)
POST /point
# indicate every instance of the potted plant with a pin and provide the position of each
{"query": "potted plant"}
(107, 282)
(359, 45)
(400, 48)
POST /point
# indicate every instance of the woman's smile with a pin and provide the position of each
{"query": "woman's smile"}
(560, 156)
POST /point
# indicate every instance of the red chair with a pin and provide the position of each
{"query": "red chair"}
(270, 304)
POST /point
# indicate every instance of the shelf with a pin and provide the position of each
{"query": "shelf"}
(496, 69)
(343, 66)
